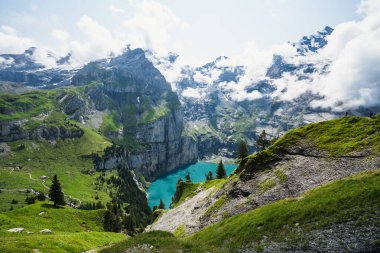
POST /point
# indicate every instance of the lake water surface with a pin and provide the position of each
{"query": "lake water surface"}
(165, 186)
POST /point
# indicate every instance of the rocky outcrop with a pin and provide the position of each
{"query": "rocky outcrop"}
(13, 130)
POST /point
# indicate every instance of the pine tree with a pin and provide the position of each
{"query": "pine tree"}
(188, 179)
(243, 150)
(55, 192)
(41, 196)
(129, 222)
(161, 205)
(30, 200)
(111, 222)
(178, 192)
(220, 171)
(262, 142)
(209, 176)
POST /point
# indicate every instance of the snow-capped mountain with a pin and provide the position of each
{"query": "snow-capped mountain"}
(35, 67)
(214, 110)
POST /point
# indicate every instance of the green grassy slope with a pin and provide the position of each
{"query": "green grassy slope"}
(340, 137)
(22, 168)
(73, 230)
(45, 158)
(21, 106)
(191, 189)
(59, 243)
(355, 198)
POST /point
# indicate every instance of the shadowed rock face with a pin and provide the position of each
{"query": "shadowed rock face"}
(164, 148)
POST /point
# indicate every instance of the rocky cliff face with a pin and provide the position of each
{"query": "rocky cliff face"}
(164, 149)
(13, 130)
(148, 113)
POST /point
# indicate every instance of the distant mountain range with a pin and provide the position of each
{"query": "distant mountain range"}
(214, 114)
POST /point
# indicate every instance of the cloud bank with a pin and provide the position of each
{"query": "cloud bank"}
(352, 78)
(353, 48)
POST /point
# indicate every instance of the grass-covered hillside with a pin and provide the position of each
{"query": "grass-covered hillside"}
(355, 199)
(22, 168)
(73, 230)
(343, 137)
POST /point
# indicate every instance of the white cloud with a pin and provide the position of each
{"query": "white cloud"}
(354, 77)
(237, 92)
(193, 93)
(60, 35)
(153, 27)
(256, 62)
(11, 42)
(98, 42)
(115, 9)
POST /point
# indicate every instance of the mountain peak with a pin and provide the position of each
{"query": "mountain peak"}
(314, 42)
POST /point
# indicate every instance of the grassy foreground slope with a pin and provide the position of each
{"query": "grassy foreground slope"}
(355, 199)
(74, 230)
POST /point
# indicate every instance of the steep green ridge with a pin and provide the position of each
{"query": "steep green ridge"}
(345, 136)
(355, 198)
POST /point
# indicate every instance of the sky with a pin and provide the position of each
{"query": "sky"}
(198, 30)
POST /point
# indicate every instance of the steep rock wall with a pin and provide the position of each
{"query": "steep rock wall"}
(164, 148)
(13, 130)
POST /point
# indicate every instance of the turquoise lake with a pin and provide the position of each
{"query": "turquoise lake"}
(165, 186)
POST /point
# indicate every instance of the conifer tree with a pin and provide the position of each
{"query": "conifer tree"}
(41, 196)
(209, 176)
(111, 222)
(188, 179)
(243, 150)
(161, 205)
(262, 142)
(55, 193)
(178, 192)
(220, 171)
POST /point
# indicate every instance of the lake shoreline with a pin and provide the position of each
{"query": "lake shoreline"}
(164, 187)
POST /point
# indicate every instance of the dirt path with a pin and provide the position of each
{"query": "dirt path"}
(30, 176)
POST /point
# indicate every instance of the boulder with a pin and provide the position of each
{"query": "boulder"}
(16, 230)
(46, 231)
